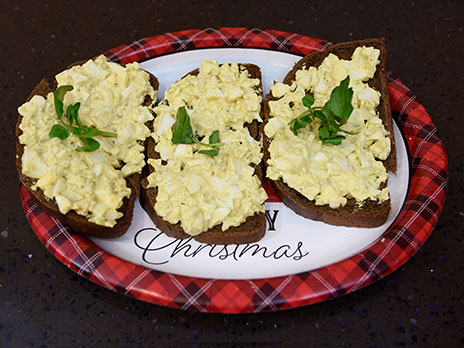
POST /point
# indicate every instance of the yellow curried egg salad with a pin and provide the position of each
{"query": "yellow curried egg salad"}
(198, 190)
(90, 183)
(325, 173)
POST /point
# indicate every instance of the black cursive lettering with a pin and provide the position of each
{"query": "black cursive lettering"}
(147, 248)
(159, 241)
(181, 245)
(257, 247)
(301, 253)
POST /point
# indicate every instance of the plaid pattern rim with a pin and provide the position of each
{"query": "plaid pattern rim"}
(422, 208)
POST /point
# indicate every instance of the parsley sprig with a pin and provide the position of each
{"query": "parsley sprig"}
(71, 124)
(182, 133)
(333, 114)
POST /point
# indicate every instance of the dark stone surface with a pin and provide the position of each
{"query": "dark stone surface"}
(44, 304)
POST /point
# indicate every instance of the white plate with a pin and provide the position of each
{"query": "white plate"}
(291, 245)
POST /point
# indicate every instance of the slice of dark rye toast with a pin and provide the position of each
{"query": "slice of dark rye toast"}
(371, 214)
(79, 223)
(254, 227)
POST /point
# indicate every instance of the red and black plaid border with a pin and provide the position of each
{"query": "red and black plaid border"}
(424, 203)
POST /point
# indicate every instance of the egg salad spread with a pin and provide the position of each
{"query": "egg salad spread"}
(90, 183)
(325, 173)
(198, 190)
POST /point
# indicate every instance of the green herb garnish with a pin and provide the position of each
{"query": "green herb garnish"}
(71, 123)
(333, 114)
(182, 133)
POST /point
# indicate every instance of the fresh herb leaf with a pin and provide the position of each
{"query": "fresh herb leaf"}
(300, 122)
(333, 115)
(58, 131)
(340, 100)
(320, 115)
(106, 134)
(79, 131)
(58, 96)
(91, 133)
(71, 112)
(334, 139)
(308, 101)
(89, 145)
(182, 133)
(73, 124)
(214, 137)
(181, 129)
(323, 132)
(212, 152)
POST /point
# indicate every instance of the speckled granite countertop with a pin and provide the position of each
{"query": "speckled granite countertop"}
(44, 304)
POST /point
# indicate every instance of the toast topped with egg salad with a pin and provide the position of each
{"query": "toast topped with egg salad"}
(328, 135)
(80, 144)
(204, 173)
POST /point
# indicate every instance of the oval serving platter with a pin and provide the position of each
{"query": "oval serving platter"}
(299, 261)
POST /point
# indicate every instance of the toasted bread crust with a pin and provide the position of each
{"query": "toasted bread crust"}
(254, 227)
(371, 214)
(79, 223)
